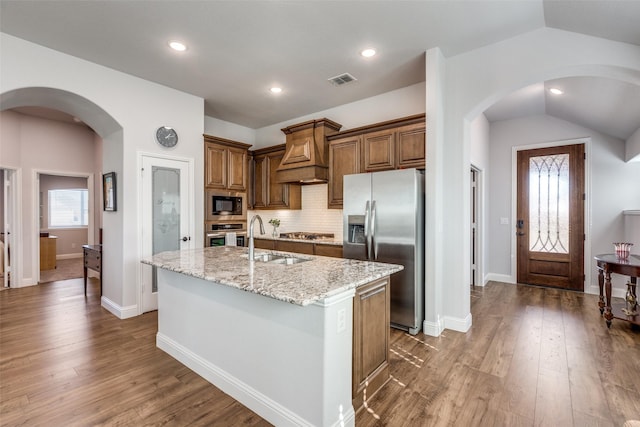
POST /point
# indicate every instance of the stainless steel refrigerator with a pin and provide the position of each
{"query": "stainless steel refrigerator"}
(384, 221)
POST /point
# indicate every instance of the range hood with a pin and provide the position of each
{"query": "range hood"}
(306, 156)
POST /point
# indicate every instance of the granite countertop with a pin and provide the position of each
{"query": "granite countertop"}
(301, 284)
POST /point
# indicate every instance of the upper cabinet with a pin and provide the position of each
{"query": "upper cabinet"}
(396, 144)
(267, 192)
(344, 159)
(225, 164)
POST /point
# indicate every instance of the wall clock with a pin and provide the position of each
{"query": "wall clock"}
(166, 136)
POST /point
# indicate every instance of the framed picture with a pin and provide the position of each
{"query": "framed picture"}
(109, 194)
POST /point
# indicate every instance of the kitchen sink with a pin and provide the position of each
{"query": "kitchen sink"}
(278, 259)
(289, 260)
(268, 257)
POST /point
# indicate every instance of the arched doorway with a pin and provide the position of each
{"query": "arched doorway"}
(26, 251)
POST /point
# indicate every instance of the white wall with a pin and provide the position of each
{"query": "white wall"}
(464, 86)
(387, 106)
(125, 111)
(479, 137)
(232, 131)
(633, 147)
(612, 187)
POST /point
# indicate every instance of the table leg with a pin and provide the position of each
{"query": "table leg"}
(85, 281)
(607, 289)
(601, 285)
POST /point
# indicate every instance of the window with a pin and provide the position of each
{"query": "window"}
(69, 208)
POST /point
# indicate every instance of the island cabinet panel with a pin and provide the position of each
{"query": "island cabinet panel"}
(379, 150)
(370, 340)
(297, 247)
(328, 250)
(268, 193)
(225, 163)
(344, 159)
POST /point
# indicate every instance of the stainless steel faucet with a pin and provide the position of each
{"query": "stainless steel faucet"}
(251, 245)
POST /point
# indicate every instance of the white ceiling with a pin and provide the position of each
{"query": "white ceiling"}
(239, 49)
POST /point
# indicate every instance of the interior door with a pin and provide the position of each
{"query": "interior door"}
(550, 224)
(7, 215)
(166, 217)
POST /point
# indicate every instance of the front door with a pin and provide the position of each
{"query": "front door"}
(550, 222)
(166, 216)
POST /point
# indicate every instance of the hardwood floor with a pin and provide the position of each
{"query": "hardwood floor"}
(534, 356)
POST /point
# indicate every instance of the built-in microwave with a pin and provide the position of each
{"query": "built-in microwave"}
(225, 205)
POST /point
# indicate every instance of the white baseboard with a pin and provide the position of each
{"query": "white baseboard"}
(242, 392)
(69, 256)
(433, 329)
(457, 324)
(117, 310)
(505, 278)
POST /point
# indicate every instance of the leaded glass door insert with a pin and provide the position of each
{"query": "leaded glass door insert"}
(549, 203)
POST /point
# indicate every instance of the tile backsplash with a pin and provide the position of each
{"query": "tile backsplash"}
(313, 217)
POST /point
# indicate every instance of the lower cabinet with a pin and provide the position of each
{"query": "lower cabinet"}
(308, 248)
(264, 244)
(297, 247)
(371, 320)
(328, 250)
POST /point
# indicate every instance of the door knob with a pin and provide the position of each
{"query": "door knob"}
(185, 238)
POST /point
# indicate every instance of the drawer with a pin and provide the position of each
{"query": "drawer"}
(92, 259)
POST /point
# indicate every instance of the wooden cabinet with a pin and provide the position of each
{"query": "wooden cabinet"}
(309, 248)
(267, 193)
(371, 317)
(225, 164)
(396, 144)
(344, 159)
(410, 146)
(396, 148)
(297, 247)
(264, 244)
(48, 250)
(379, 150)
(334, 251)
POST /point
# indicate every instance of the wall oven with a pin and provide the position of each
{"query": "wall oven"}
(225, 206)
(219, 234)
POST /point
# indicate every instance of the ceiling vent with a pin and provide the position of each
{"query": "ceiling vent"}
(342, 79)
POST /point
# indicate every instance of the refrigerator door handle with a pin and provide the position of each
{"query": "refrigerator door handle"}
(373, 230)
(367, 235)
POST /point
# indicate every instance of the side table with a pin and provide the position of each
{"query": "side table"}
(610, 263)
(93, 261)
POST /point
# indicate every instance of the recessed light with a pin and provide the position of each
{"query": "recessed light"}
(276, 89)
(556, 91)
(180, 47)
(368, 53)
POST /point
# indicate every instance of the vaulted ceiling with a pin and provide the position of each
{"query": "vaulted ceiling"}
(237, 50)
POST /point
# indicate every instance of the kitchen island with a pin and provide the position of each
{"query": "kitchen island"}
(279, 335)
